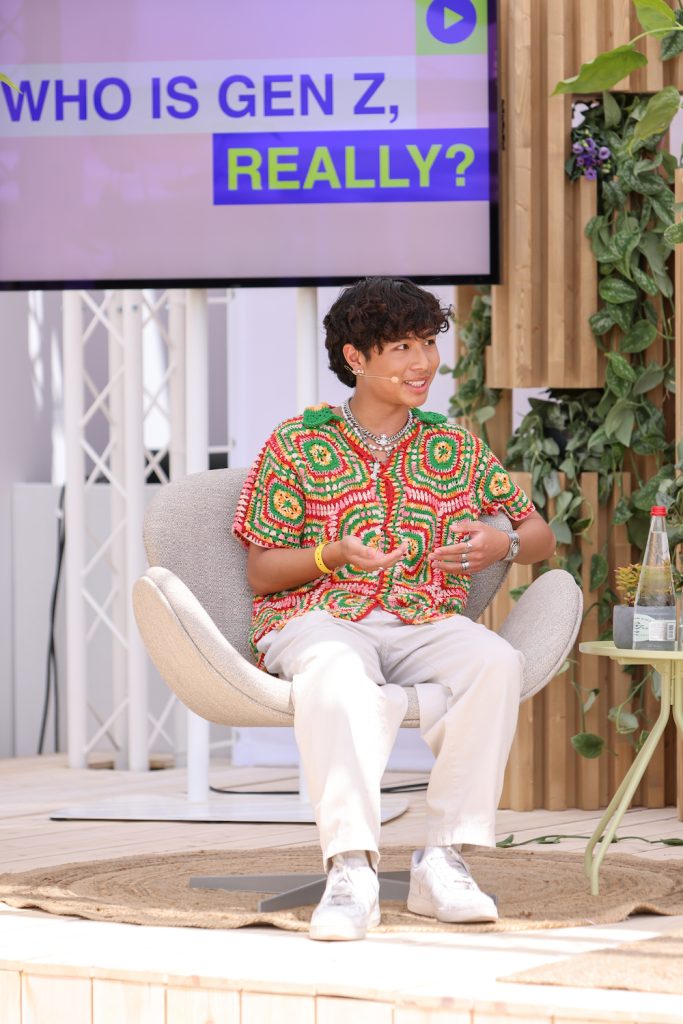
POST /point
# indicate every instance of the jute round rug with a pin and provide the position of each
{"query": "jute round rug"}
(534, 890)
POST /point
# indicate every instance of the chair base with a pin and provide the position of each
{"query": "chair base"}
(297, 890)
(238, 808)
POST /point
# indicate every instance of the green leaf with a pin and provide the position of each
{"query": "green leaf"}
(638, 337)
(672, 45)
(508, 841)
(674, 840)
(622, 314)
(616, 290)
(8, 81)
(599, 571)
(590, 700)
(624, 721)
(660, 112)
(611, 111)
(656, 253)
(663, 209)
(620, 375)
(654, 14)
(674, 233)
(622, 512)
(568, 467)
(643, 280)
(604, 71)
(600, 322)
(551, 483)
(619, 423)
(563, 535)
(651, 377)
(638, 528)
(485, 413)
(587, 744)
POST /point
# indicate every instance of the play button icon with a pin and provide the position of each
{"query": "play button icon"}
(451, 21)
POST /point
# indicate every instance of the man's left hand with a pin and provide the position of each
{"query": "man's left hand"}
(478, 547)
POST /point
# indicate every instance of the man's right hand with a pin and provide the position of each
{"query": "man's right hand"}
(352, 551)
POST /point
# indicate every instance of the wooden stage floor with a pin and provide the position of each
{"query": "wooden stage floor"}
(70, 971)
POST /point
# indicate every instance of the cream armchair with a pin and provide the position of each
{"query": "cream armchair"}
(193, 609)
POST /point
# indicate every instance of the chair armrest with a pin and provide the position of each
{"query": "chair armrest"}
(198, 663)
(544, 625)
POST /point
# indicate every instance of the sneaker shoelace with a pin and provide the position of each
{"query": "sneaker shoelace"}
(452, 864)
(342, 889)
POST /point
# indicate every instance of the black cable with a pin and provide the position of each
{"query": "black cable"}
(52, 679)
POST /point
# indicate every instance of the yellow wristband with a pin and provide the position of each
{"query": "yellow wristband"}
(318, 555)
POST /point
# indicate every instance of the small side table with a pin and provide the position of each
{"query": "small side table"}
(669, 664)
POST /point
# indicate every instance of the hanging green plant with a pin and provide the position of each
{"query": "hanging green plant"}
(473, 399)
(632, 237)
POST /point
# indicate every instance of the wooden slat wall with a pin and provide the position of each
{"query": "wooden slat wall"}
(541, 337)
(544, 770)
(678, 356)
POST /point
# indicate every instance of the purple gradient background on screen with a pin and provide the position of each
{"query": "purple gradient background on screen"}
(87, 30)
(140, 206)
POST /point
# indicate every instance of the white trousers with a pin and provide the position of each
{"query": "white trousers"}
(349, 702)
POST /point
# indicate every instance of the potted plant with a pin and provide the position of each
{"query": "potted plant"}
(626, 581)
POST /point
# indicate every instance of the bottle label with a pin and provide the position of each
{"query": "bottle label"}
(646, 629)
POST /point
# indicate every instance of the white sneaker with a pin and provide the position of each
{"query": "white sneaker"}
(441, 886)
(350, 903)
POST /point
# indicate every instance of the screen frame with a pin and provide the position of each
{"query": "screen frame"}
(493, 277)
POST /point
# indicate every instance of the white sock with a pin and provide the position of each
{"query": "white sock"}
(353, 859)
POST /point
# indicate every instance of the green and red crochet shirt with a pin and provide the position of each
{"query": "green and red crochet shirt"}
(312, 483)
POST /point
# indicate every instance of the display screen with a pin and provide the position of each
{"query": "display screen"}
(238, 142)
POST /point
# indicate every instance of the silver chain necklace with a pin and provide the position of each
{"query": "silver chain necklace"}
(381, 443)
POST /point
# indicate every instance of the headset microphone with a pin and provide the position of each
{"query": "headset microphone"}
(362, 373)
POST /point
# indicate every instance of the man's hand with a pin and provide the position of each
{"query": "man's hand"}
(478, 547)
(353, 552)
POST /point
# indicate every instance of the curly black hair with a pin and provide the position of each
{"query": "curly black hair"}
(377, 310)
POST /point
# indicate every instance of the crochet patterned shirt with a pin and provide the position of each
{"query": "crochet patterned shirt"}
(312, 482)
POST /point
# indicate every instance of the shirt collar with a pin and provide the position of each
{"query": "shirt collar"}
(317, 415)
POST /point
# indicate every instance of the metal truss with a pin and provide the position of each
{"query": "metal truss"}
(104, 431)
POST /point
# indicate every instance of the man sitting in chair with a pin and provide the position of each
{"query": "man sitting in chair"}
(362, 524)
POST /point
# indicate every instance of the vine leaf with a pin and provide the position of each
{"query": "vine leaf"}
(672, 44)
(591, 699)
(587, 744)
(639, 337)
(654, 15)
(620, 421)
(604, 71)
(659, 113)
(508, 841)
(650, 378)
(674, 233)
(611, 109)
(615, 290)
(624, 721)
(563, 534)
(599, 571)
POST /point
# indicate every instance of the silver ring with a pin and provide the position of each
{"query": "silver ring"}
(465, 564)
(468, 544)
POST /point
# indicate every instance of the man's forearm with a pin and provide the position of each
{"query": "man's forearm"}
(270, 570)
(537, 540)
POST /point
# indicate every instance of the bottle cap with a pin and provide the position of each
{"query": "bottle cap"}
(658, 510)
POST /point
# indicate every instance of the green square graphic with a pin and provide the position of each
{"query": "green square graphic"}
(451, 26)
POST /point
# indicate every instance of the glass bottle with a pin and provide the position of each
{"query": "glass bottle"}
(654, 617)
